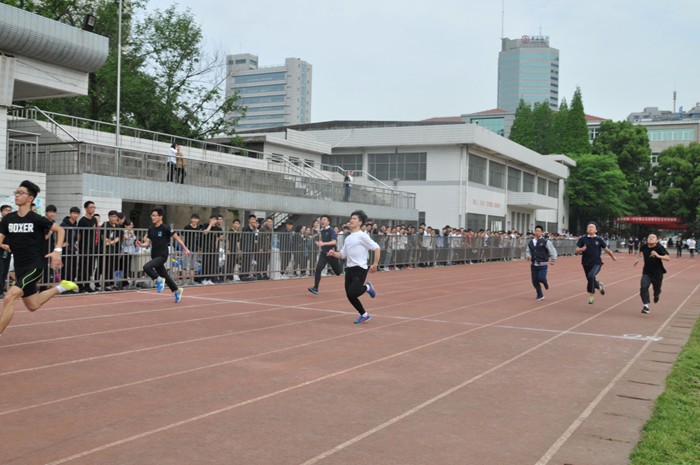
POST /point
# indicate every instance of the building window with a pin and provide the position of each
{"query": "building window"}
(259, 77)
(528, 182)
(497, 172)
(347, 162)
(477, 169)
(261, 89)
(263, 99)
(398, 166)
(553, 189)
(541, 186)
(514, 179)
(660, 135)
(476, 222)
(497, 223)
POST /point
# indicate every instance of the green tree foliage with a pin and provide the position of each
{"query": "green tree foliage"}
(596, 190)
(677, 180)
(575, 140)
(546, 131)
(559, 127)
(171, 45)
(542, 121)
(523, 129)
(168, 83)
(630, 145)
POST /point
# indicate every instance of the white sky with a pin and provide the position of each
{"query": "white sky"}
(413, 60)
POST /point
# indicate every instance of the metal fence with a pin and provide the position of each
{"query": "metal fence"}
(93, 258)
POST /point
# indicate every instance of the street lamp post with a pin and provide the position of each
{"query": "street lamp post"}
(119, 91)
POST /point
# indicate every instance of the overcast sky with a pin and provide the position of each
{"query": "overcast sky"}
(413, 60)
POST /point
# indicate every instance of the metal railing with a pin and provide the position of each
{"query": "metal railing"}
(82, 158)
(225, 256)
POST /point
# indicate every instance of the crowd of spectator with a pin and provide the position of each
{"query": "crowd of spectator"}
(102, 255)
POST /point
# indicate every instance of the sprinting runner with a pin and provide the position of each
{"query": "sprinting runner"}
(590, 247)
(653, 271)
(355, 249)
(158, 237)
(541, 252)
(326, 243)
(22, 233)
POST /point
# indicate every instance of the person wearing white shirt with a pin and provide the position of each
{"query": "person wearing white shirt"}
(355, 249)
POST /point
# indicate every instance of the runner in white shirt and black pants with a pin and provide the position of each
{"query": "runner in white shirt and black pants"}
(355, 249)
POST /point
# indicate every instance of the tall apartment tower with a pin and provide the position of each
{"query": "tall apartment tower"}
(274, 96)
(528, 69)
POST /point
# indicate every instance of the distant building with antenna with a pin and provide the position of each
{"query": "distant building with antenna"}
(528, 69)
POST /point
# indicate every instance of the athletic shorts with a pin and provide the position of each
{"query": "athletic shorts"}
(28, 279)
(189, 262)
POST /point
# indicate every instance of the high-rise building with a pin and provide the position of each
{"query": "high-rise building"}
(274, 96)
(528, 69)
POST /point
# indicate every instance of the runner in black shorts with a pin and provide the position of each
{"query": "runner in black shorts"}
(22, 233)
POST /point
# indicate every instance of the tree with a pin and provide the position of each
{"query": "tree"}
(630, 145)
(559, 125)
(523, 129)
(596, 190)
(542, 121)
(188, 81)
(677, 180)
(168, 84)
(575, 139)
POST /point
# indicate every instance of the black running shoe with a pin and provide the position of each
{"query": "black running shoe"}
(645, 309)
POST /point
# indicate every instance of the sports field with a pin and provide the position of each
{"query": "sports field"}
(459, 365)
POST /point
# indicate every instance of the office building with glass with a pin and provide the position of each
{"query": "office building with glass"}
(528, 69)
(273, 96)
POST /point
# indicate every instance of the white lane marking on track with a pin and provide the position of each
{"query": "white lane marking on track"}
(544, 460)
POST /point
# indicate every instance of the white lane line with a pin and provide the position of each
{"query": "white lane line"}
(544, 460)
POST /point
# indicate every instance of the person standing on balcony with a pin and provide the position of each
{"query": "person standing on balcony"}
(180, 172)
(171, 164)
(348, 185)
(23, 233)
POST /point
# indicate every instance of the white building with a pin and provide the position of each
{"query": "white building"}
(463, 175)
(273, 96)
(41, 58)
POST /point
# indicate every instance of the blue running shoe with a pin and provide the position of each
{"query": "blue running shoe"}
(370, 290)
(362, 319)
(178, 295)
(313, 290)
(160, 284)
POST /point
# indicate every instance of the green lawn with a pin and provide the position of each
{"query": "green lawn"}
(672, 435)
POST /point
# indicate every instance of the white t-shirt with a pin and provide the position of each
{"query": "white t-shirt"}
(172, 155)
(355, 249)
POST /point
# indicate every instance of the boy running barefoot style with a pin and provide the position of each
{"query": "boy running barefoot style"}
(355, 249)
(158, 237)
(22, 233)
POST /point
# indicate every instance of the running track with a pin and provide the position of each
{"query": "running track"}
(459, 365)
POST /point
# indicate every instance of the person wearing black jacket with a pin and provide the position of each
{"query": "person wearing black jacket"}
(541, 252)
(328, 240)
(249, 248)
(70, 245)
(653, 271)
(590, 247)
